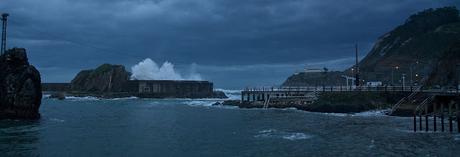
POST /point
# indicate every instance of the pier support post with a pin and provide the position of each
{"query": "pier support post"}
(442, 117)
(426, 123)
(434, 117)
(450, 118)
(426, 119)
(420, 121)
(458, 117)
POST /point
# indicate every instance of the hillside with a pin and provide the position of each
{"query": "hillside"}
(315, 79)
(411, 49)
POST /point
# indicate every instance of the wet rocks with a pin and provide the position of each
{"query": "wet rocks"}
(20, 86)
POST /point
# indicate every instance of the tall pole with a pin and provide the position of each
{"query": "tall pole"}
(411, 81)
(357, 66)
(4, 23)
(392, 74)
(403, 81)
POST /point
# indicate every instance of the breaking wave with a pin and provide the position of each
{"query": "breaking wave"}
(231, 94)
(149, 70)
(200, 102)
(86, 98)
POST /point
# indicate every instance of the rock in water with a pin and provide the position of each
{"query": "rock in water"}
(20, 86)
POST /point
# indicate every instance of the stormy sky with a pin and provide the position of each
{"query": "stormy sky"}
(234, 43)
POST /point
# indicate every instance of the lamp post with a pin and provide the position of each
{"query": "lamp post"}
(403, 81)
(457, 78)
(411, 68)
(392, 74)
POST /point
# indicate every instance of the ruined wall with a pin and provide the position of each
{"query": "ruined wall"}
(169, 88)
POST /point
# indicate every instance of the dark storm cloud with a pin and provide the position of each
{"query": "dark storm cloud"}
(260, 39)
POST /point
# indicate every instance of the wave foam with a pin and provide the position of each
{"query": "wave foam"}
(199, 103)
(56, 120)
(231, 94)
(372, 113)
(86, 98)
(273, 133)
(125, 98)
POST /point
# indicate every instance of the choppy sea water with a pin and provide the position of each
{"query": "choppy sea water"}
(186, 127)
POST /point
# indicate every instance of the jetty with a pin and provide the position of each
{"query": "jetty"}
(425, 105)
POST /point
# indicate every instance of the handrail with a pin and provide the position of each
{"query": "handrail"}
(350, 88)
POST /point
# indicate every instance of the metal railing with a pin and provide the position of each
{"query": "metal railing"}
(351, 88)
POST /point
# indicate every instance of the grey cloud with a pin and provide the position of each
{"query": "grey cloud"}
(81, 34)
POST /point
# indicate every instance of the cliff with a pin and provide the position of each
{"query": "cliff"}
(20, 86)
(414, 46)
(105, 78)
(411, 49)
(446, 70)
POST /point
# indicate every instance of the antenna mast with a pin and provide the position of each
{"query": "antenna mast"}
(4, 23)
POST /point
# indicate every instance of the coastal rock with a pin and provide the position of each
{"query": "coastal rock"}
(20, 86)
(105, 78)
(219, 95)
(58, 95)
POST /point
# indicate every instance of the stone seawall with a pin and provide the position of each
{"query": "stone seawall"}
(143, 89)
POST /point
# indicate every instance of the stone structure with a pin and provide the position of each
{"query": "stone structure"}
(170, 88)
(20, 88)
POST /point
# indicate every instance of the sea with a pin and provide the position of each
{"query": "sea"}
(129, 127)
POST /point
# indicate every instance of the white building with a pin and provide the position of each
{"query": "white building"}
(374, 83)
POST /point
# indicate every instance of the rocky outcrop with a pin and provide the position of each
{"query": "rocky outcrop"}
(105, 78)
(219, 94)
(20, 86)
(315, 79)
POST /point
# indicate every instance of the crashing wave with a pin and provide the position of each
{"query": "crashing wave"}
(231, 94)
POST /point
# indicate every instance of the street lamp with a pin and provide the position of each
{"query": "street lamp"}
(392, 74)
(403, 81)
